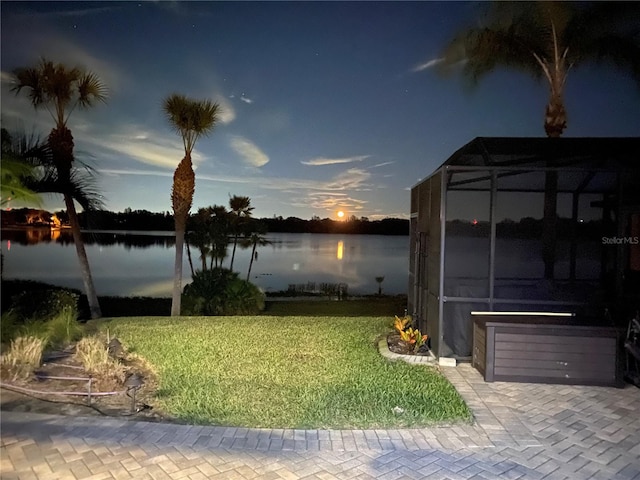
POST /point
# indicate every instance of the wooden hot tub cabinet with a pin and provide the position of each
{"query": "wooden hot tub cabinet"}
(546, 349)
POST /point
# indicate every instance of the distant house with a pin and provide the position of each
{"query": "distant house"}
(477, 240)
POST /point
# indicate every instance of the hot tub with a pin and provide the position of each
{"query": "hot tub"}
(546, 348)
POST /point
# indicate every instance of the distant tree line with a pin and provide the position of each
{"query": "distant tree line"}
(144, 220)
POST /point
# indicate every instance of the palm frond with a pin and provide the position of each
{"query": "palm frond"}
(59, 88)
(80, 186)
(90, 90)
(191, 118)
(30, 79)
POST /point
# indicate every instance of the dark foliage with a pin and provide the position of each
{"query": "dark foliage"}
(25, 297)
(220, 292)
(43, 305)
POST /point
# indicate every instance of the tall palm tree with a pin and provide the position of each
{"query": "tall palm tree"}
(59, 90)
(547, 39)
(240, 211)
(191, 119)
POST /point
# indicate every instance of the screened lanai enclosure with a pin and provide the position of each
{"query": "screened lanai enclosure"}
(481, 241)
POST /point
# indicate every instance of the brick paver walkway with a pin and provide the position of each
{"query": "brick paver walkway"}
(522, 431)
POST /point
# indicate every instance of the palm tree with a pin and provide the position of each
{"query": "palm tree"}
(59, 90)
(240, 211)
(218, 235)
(256, 238)
(546, 39)
(199, 235)
(379, 280)
(191, 119)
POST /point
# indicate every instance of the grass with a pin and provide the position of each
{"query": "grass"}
(286, 372)
(23, 357)
(361, 307)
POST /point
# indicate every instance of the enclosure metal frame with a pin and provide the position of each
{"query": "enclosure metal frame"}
(417, 298)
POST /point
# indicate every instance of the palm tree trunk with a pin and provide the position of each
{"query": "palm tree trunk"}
(555, 118)
(184, 181)
(189, 257)
(61, 144)
(87, 280)
(253, 253)
(554, 124)
(177, 274)
(233, 254)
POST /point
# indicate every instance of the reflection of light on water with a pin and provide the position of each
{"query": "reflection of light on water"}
(157, 289)
(296, 266)
(340, 250)
(8, 244)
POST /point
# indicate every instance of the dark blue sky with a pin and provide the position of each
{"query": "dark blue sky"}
(325, 106)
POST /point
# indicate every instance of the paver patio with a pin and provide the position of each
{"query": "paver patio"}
(522, 431)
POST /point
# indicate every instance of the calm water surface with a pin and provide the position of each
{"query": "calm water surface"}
(137, 263)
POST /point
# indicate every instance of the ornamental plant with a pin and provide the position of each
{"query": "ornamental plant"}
(401, 323)
(411, 336)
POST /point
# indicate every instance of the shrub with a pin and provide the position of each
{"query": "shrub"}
(220, 292)
(401, 323)
(9, 324)
(93, 354)
(23, 357)
(43, 304)
(11, 288)
(63, 328)
(412, 337)
(34, 328)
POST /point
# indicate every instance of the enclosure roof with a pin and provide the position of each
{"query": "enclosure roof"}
(608, 153)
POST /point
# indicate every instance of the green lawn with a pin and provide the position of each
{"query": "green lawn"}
(286, 372)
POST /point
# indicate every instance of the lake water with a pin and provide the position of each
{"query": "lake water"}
(141, 264)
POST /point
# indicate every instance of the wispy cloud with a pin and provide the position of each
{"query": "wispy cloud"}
(426, 65)
(144, 145)
(383, 164)
(321, 202)
(251, 154)
(227, 113)
(353, 179)
(78, 12)
(333, 161)
(114, 172)
(58, 48)
(245, 99)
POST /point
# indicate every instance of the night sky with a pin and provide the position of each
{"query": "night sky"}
(326, 106)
